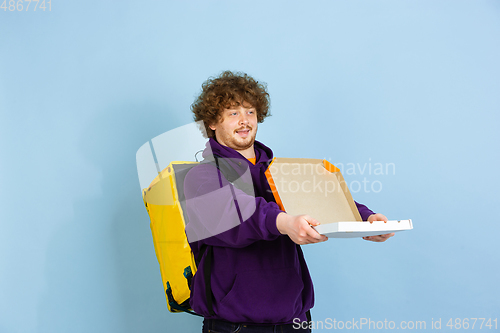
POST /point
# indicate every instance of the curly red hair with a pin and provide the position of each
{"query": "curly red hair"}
(228, 90)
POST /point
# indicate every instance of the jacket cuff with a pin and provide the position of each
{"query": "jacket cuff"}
(364, 211)
(271, 221)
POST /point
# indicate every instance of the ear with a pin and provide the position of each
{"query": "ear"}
(217, 120)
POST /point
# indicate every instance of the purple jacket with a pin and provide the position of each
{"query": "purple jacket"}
(258, 275)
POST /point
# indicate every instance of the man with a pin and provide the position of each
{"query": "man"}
(258, 279)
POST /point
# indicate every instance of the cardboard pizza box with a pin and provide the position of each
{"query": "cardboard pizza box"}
(316, 187)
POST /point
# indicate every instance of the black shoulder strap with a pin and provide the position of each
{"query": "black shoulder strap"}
(225, 168)
(232, 172)
(234, 177)
(231, 175)
(308, 316)
(207, 275)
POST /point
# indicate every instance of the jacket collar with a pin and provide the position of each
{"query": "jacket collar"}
(263, 154)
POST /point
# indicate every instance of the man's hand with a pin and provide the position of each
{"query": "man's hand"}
(379, 238)
(299, 229)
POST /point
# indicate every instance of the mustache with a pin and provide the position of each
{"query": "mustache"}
(244, 128)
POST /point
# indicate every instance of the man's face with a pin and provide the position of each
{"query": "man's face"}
(237, 127)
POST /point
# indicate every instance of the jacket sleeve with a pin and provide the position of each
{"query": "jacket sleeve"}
(364, 211)
(219, 214)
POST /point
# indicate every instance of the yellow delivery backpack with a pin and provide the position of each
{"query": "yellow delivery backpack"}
(165, 203)
(163, 200)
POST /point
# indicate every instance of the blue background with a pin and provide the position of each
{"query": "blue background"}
(82, 87)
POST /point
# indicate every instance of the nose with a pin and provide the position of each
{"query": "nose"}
(243, 118)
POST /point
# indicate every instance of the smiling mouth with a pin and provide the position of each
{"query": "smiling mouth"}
(243, 132)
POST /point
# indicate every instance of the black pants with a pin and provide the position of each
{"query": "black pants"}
(220, 326)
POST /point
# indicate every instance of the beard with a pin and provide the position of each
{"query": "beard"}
(238, 143)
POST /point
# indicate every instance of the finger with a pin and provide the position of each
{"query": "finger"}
(378, 238)
(383, 238)
(319, 240)
(313, 234)
(311, 220)
(313, 241)
(311, 238)
(381, 217)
